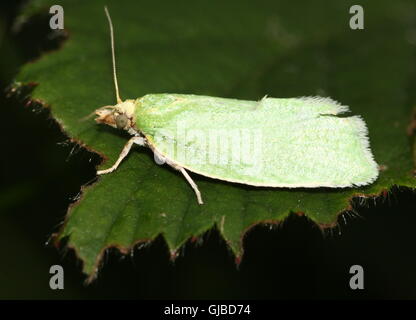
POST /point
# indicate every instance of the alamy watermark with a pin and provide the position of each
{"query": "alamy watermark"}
(357, 280)
(221, 147)
(57, 279)
(57, 20)
(357, 20)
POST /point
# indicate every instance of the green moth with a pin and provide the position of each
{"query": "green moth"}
(291, 143)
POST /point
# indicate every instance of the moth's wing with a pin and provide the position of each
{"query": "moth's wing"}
(314, 147)
(273, 142)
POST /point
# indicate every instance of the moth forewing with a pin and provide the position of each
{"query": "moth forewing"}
(297, 142)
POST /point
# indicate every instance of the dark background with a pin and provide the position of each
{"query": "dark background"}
(41, 174)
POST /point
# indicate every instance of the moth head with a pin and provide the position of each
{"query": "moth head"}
(120, 116)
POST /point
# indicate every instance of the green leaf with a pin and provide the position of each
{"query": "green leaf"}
(229, 49)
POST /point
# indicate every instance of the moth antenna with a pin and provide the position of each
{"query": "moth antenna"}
(87, 117)
(94, 113)
(113, 54)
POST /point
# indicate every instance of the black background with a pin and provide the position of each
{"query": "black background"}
(40, 175)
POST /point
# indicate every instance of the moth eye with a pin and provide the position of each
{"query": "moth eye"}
(121, 121)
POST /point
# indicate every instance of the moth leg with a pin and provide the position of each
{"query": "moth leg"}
(192, 183)
(160, 159)
(134, 140)
(189, 179)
